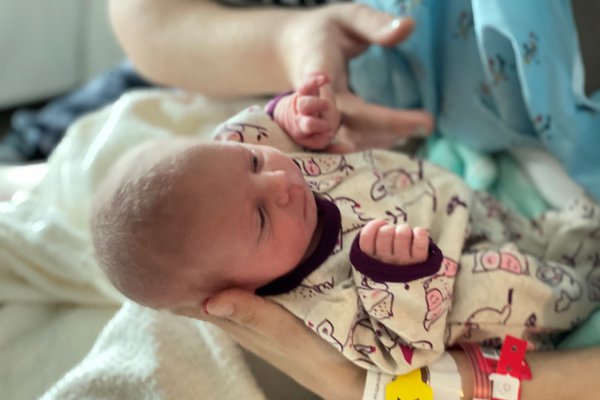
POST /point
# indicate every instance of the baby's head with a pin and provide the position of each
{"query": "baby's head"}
(178, 220)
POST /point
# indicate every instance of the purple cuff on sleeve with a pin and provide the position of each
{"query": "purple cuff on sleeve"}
(384, 272)
(270, 108)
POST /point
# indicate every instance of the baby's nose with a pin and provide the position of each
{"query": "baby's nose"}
(282, 184)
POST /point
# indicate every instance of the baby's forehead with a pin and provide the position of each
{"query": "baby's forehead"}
(143, 158)
(157, 150)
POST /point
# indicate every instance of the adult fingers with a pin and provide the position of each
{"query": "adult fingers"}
(373, 26)
(341, 144)
(372, 119)
(311, 83)
(331, 113)
(311, 105)
(316, 141)
(311, 125)
(237, 305)
(251, 320)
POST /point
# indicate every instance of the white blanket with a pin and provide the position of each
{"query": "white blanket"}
(47, 270)
(144, 354)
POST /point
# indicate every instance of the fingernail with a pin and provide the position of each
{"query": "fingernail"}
(394, 24)
(420, 131)
(218, 309)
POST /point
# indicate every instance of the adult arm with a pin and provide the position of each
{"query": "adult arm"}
(202, 46)
(266, 329)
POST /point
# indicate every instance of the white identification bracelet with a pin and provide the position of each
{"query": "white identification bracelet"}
(441, 379)
(375, 385)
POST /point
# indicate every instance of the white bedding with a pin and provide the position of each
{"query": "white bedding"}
(55, 299)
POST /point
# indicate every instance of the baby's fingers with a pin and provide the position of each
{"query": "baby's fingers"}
(420, 244)
(368, 236)
(384, 245)
(400, 245)
(403, 241)
(311, 125)
(311, 105)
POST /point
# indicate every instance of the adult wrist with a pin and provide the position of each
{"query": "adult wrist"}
(347, 383)
(497, 375)
(302, 47)
(289, 52)
(466, 374)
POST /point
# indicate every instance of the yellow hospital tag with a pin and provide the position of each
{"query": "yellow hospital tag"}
(411, 386)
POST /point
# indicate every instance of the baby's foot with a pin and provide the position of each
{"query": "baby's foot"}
(394, 244)
(310, 115)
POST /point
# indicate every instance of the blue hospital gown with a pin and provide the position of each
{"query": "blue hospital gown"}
(496, 74)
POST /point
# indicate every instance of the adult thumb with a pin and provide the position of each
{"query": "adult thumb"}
(374, 26)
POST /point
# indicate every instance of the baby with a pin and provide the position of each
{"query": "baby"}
(366, 248)
(171, 219)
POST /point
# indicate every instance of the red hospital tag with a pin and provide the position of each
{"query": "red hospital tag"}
(512, 357)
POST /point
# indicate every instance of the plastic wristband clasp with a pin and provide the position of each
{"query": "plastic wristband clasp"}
(511, 369)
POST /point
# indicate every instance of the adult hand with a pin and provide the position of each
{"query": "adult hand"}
(274, 334)
(324, 39)
(243, 51)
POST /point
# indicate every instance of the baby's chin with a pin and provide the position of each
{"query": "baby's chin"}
(191, 309)
(159, 301)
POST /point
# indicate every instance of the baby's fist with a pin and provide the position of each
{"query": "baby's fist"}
(310, 115)
(394, 244)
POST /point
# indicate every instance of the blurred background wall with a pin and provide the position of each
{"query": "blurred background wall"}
(50, 47)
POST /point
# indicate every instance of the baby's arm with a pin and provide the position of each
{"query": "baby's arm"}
(310, 115)
(403, 288)
(394, 244)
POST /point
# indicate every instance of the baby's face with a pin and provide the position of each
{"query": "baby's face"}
(255, 217)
